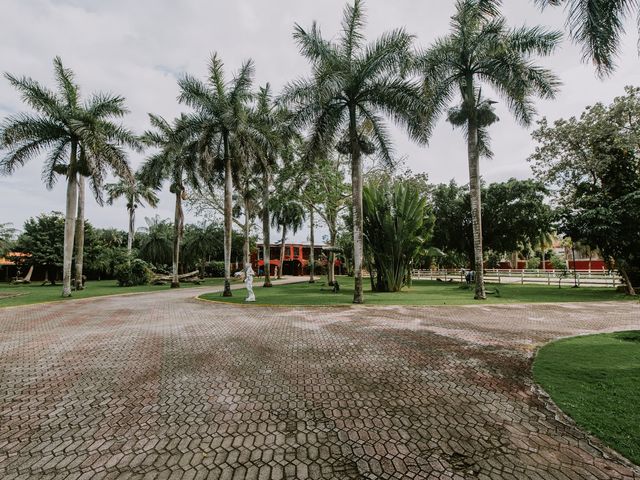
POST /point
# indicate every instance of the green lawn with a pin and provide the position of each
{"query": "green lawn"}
(11, 295)
(423, 292)
(595, 380)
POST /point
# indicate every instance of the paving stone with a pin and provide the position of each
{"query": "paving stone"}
(165, 386)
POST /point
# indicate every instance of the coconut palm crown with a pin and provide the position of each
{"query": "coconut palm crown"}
(482, 50)
(354, 82)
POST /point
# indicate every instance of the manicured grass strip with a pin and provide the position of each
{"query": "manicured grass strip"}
(12, 295)
(596, 381)
(422, 292)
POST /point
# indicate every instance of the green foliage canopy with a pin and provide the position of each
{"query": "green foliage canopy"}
(397, 225)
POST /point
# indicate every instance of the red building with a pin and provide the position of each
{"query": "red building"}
(296, 258)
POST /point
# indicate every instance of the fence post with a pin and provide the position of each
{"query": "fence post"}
(522, 277)
(548, 279)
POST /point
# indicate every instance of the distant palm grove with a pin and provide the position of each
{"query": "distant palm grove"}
(244, 159)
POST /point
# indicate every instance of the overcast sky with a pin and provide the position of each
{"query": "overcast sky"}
(139, 48)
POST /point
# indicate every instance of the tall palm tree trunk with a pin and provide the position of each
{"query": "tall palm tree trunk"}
(246, 230)
(331, 267)
(312, 261)
(70, 222)
(177, 234)
(266, 228)
(79, 234)
(358, 226)
(227, 219)
(282, 245)
(132, 228)
(476, 207)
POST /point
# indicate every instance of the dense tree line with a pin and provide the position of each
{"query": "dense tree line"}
(249, 156)
(42, 238)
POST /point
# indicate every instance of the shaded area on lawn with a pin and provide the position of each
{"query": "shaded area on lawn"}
(595, 380)
(422, 292)
(12, 295)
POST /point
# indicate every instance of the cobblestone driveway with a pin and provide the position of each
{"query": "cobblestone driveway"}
(165, 386)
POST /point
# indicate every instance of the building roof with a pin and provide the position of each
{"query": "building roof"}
(296, 244)
(4, 261)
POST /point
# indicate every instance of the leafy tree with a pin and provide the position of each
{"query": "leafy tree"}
(288, 214)
(453, 232)
(482, 50)
(276, 137)
(136, 193)
(221, 112)
(397, 224)
(352, 83)
(105, 251)
(43, 239)
(203, 243)
(176, 161)
(156, 244)
(592, 166)
(519, 217)
(598, 25)
(80, 139)
(326, 193)
(7, 234)
(519, 214)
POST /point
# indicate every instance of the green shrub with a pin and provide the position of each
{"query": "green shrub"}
(493, 260)
(132, 273)
(557, 263)
(533, 263)
(214, 269)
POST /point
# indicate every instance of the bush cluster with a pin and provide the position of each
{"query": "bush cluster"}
(132, 273)
(214, 269)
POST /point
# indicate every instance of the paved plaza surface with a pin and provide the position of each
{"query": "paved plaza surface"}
(162, 385)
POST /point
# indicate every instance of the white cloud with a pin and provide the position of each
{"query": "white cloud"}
(137, 49)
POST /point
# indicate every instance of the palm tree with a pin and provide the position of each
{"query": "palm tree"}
(247, 185)
(220, 115)
(176, 161)
(353, 82)
(156, 246)
(136, 193)
(7, 234)
(481, 49)
(275, 136)
(287, 214)
(80, 139)
(598, 25)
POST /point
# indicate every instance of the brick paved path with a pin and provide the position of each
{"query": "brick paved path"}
(165, 386)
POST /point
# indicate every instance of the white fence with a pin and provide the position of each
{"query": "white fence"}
(594, 278)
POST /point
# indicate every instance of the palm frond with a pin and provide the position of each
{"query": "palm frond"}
(65, 80)
(353, 21)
